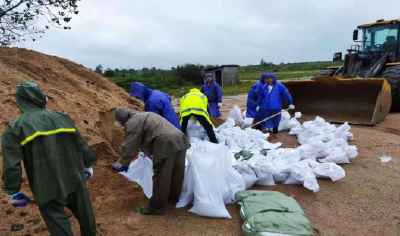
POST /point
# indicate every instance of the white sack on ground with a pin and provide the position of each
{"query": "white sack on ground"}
(247, 122)
(338, 155)
(209, 177)
(236, 114)
(247, 173)
(302, 173)
(329, 170)
(187, 193)
(141, 172)
(195, 130)
(234, 181)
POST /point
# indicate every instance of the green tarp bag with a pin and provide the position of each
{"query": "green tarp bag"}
(271, 212)
(284, 223)
(263, 203)
(241, 195)
(245, 154)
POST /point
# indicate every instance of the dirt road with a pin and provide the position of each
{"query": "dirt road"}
(365, 202)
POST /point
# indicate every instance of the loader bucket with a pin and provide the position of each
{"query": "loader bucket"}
(336, 99)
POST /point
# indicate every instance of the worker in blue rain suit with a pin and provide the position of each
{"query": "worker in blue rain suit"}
(270, 103)
(156, 101)
(214, 95)
(254, 94)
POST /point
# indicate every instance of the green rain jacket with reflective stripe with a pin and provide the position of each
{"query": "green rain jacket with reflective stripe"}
(53, 151)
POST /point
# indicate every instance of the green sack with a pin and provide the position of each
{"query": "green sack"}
(245, 154)
(265, 203)
(271, 212)
(241, 195)
(264, 152)
(277, 222)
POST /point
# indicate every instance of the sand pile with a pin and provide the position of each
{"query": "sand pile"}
(89, 99)
(83, 94)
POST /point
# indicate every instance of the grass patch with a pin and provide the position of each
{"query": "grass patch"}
(284, 75)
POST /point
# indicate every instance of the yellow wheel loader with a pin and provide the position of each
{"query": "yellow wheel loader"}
(365, 88)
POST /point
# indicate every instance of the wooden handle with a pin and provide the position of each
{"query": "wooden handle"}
(269, 117)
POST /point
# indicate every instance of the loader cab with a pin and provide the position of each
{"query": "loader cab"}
(381, 37)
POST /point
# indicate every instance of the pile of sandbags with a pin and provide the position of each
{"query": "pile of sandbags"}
(323, 147)
(232, 136)
(321, 140)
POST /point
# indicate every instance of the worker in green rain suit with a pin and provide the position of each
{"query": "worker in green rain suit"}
(56, 159)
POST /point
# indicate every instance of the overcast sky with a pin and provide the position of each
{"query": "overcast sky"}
(147, 33)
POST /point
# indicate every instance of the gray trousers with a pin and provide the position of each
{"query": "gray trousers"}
(57, 221)
(167, 181)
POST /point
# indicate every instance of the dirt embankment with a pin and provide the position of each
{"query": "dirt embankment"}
(86, 96)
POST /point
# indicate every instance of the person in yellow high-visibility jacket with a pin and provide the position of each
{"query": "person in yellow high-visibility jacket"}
(194, 104)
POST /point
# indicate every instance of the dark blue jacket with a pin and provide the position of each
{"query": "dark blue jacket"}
(214, 95)
(156, 101)
(252, 97)
(271, 103)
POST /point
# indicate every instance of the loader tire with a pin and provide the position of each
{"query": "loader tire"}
(392, 76)
(324, 73)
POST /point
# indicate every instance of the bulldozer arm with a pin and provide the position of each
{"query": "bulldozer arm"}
(357, 101)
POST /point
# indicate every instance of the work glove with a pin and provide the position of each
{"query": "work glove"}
(219, 104)
(88, 172)
(19, 200)
(257, 108)
(120, 168)
(291, 107)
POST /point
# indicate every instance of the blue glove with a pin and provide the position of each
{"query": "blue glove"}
(88, 172)
(20, 196)
(119, 167)
(291, 107)
(122, 169)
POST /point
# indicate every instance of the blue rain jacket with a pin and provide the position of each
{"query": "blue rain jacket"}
(214, 95)
(252, 97)
(271, 103)
(156, 101)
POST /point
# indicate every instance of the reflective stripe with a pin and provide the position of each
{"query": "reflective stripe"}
(195, 109)
(201, 96)
(47, 133)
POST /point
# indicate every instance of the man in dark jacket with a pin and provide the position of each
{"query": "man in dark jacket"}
(55, 158)
(168, 146)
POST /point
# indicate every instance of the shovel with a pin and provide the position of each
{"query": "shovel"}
(277, 114)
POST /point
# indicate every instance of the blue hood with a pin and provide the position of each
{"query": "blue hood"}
(140, 91)
(263, 78)
(209, 74)
(273, 76)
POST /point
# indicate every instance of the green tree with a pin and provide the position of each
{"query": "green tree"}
(109, 73)
(131, 71)
(19, 18)
(262, 62)
(99, 69)
(190, 73)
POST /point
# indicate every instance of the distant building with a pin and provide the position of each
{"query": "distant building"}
(225, 74)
